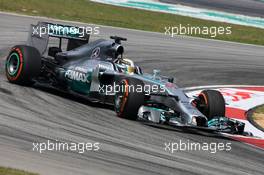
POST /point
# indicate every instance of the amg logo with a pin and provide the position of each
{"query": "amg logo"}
(77, 76)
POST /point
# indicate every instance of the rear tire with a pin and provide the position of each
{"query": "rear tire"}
(211, 103)
(23, 64)
(128, 102)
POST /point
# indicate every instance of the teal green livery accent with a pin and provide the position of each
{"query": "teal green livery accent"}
(13, 55)
(81, 86)
(64, 31)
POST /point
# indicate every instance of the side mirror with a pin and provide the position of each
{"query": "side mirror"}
(171, 79)
(156, 73)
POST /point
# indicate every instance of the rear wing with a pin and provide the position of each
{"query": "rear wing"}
(39, 35)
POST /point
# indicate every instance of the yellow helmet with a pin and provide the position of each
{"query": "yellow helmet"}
(130, 65)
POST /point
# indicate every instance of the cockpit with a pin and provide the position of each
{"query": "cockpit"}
(126, 65)
(123, 65)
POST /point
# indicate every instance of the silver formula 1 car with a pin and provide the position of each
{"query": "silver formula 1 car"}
(99, 72)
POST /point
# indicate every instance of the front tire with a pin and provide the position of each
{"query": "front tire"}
(211, 103)
(127, 102)
(22, 64)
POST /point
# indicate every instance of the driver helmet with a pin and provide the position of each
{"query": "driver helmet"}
(130, 67)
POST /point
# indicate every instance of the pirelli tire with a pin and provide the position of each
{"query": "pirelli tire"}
(211, 103)
(127, 100)
(23, 64)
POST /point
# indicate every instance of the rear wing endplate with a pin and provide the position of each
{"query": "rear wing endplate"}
(39, 35)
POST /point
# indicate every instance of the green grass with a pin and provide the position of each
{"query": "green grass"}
(10, 171)
(90, 12)
(258, 116)
(260, 110)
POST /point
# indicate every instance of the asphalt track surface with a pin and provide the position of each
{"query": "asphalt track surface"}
(126, 147)
(245, 7)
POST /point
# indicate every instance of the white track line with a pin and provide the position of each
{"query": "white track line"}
(218, 86)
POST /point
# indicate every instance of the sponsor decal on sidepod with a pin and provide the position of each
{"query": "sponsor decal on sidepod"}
(77, 76)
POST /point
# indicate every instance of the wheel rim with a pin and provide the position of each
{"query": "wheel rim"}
(118, 99)
(12, 64)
